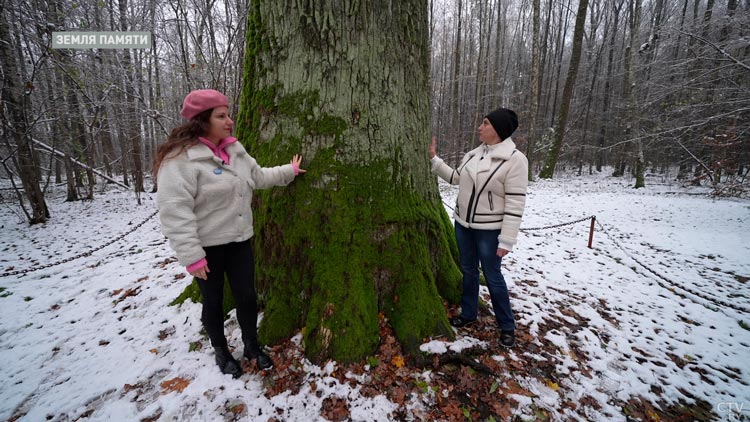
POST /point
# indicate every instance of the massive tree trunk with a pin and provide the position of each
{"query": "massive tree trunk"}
(364, 231)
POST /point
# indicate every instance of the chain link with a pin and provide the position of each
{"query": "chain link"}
(81, 255)
(712, 300)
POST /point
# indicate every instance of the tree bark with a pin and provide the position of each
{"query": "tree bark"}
(479, 107)
(562, 120)
(559, 53)
(132, 127)
(499, 77)
(454, 115)
(605, 112)
(363, 233)
(628, 91)
(16, 125)
(535, 60)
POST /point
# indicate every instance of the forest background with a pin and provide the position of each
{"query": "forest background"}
(658, 86)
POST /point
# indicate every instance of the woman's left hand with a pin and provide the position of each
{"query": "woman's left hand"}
(296, 162)
(502, 252)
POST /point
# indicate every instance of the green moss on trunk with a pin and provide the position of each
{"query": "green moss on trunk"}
(346, 254)
(364, 230)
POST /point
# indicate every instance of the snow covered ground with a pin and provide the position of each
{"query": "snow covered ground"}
(94, 339)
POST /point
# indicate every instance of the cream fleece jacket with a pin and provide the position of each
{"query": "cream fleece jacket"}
(204, 202)
(492, 189)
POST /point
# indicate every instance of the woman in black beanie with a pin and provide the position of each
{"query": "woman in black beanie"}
(492, 181)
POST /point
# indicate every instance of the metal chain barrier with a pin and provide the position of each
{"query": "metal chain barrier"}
(712, 300)
(570, 223)
(81, 255)
(660, 279)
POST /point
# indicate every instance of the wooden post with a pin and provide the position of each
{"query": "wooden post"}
(591, 230)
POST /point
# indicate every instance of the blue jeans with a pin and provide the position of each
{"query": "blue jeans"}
(477, 246)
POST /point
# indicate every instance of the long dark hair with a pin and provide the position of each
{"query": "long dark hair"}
(182, 138)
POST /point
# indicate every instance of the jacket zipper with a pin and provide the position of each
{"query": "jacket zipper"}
(471, 201)
(489, 198)
(486, 182)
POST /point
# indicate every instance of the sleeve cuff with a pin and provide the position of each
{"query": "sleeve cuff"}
(197, 265)
(436, 161)
(503, 244)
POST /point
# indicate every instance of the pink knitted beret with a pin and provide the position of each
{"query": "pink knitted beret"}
(201, 100)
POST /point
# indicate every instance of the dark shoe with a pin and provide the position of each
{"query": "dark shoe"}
(255, 352)
(507, 338)
(460, 321)
(227, 363)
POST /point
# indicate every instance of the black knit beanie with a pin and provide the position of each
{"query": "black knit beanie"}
(504, 120)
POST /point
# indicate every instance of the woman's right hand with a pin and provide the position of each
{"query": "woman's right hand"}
(433, 148)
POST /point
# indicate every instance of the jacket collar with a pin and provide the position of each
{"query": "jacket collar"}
(201, 151)
(502, 151)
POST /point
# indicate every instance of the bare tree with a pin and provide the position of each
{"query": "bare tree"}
(16, 126)
(132, 132)
(562, 119)
(535, 75)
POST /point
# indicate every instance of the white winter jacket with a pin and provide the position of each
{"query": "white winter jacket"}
(204, 202)
(492, 189)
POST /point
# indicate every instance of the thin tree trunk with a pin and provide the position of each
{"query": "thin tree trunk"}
(498, 79)
(15, 124)
(562, 35)
(77, 133)
(595, 21)
(132, 134)
(629, 92)
(479, 102)
(543, 66)
(606, 114)
(562, 119)
(455, 100)
(535, 59)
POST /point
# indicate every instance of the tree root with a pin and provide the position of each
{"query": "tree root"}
(465, 358)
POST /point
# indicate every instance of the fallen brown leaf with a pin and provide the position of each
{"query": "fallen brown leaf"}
(175, 384)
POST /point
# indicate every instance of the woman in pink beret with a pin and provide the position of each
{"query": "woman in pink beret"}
(206, 181)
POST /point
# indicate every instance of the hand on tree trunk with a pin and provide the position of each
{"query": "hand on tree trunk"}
(296, 162)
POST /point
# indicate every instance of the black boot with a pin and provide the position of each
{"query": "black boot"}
(227, 363)
(253, 351)
(507, 338)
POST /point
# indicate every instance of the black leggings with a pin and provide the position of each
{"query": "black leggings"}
(237, 261)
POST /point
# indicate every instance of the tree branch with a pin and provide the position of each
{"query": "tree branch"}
(664, 132)
(61, 154)
(715, 47)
